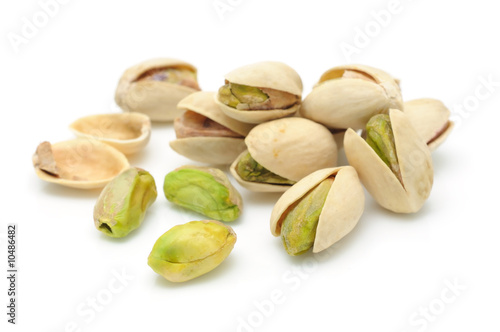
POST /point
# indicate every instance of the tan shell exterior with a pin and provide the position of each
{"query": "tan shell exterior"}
(211, 150)
(414, 160)
(343, 207)
(127, 132)
(350, 103)
(254, 186)
(429, 117)
(84, 163)
(267, 74)
(158, 100)
(292, 147)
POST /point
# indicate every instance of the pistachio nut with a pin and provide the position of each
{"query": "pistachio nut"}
(205, 190)
(190, 250)
(78, 163)
(260, 92)
(127, 132)
(348, 96)
(431, 120)
(398, 173)
(123, 202)
(205, 134)
(283, 151)
(155, 87)
(318, 210)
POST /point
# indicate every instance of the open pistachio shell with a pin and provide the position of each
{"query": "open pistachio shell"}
(348, 96)
(341, 211)
(190, 250)
(127, 132)
(291, 148)
(431, 120)
(208, 149)
(267, 74)
(79, 163)
(415, 166)
(156, 99)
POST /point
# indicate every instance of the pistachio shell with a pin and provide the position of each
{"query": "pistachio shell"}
(211, 150)
(292, 147)
(79, 163)
(350, 102)
(267, 74)
(430, 118)
(127, 132)
(205, 190)
(341, 212)
(414, 161)
(190, 250)
(156, 99)
(123, 202)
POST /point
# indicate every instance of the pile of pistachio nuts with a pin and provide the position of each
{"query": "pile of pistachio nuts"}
(272, 139)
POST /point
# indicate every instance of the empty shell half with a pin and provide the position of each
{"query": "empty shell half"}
(283, 151)
(401, 181)
(79, 163)
(318, 210)
(205, 134)
(155, 87)
(260, 92)
(348, 96)
(431, 120)
(127, 132)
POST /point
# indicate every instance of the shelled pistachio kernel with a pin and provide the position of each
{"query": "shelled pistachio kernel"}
(190, 250)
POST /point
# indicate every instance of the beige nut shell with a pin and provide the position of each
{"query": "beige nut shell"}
(430, 118)
(266, 74)
(83, 163)
(211, 150)
(292, 147)
(343, 207)
(128, 132)
(350, 103)
(414, 160)
(158, 100)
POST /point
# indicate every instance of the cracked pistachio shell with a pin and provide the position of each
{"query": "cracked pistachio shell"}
(415, 165)
(123, 202)
(156, 99)
(127, 132)
(210, 150)
(291, 148)
(431, 120)
(190, 250)
(342, 209)
(349, 102)
(79, 163)
(266, 74)
(204, 190)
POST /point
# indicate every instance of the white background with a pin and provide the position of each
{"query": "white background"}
(381, 277)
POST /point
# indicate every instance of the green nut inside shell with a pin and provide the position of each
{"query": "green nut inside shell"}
(242, 96)
(250, 170)
(298, 229)
(190, 250)
(204, 190)
(174, 75)
(381, 138)
(122, 204)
